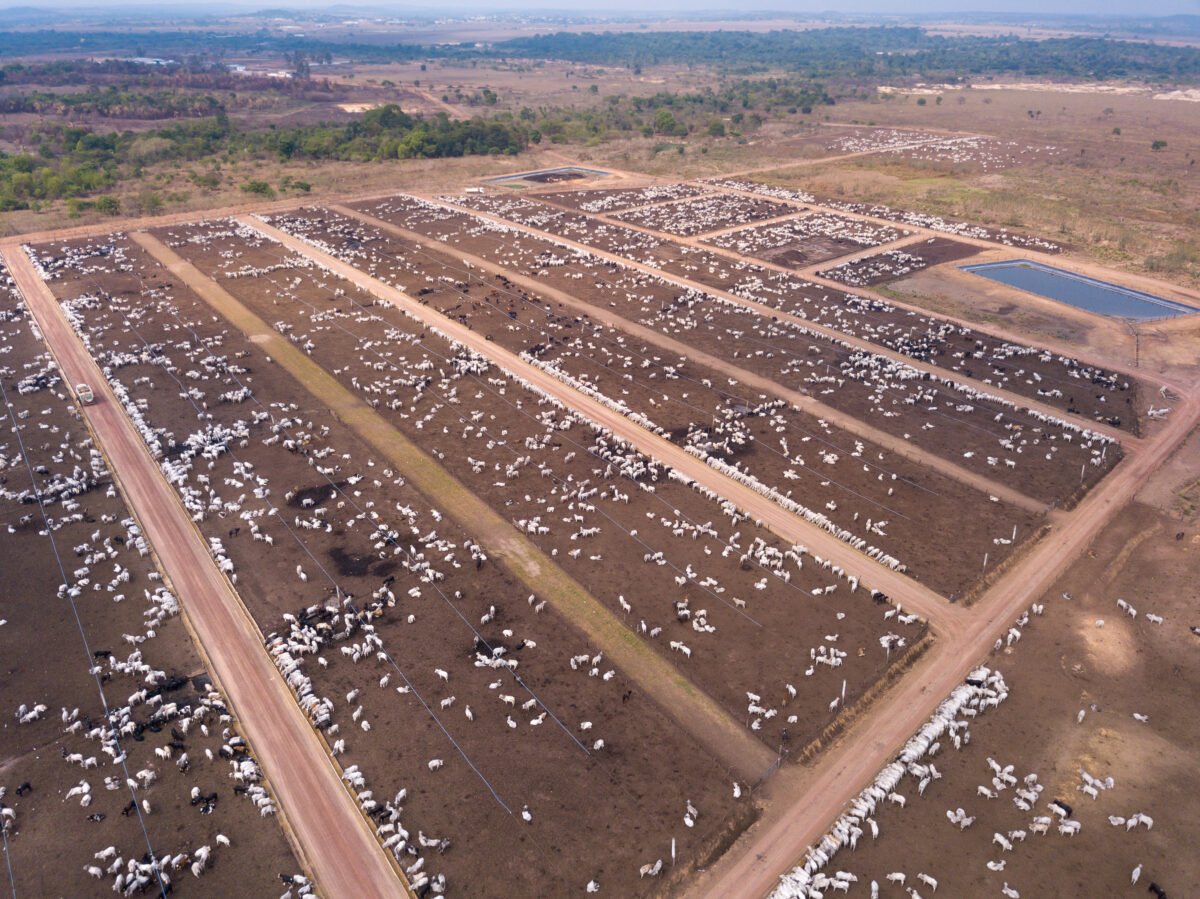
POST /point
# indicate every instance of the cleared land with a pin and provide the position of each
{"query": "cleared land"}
(122, 720)
(109, 283)
(1076, 690)
(575, 519)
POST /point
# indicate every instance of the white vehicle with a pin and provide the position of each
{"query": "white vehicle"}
(84, 392)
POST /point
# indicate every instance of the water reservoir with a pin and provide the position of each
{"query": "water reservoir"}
(1082, 292)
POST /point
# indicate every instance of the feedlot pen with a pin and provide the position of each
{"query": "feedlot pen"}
(481, 724)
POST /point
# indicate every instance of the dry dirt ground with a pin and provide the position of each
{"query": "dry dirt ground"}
(686, 400)
(894, 264)
(50, 641)
(1065, 659)
(1068, 664)
(143, 308)
(519, 84)
(1145, 211)
(1160, 347)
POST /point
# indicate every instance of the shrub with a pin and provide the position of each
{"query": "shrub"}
(261, 188)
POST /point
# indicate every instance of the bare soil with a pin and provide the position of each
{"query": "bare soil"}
(883, 268)
(1067, 663)
(628, 531)
(1054, 379)
(145, 307)
(815, 462)
(49, 643)
(952, 426)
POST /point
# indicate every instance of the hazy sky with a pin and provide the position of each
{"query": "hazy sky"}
(591, 7)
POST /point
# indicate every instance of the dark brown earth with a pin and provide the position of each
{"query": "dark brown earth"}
(48, 646)
(146, 307)
(1063, 664)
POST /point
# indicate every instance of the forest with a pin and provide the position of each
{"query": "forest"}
(884, 51)
(70, 162)
(872, 52)
(775, 74)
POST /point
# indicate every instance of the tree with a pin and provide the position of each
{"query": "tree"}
(260, 188)
(716, 129)
(1158, 145)
(665, 123)
(149, 202)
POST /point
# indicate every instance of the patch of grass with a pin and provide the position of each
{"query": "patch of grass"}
(1182, 256)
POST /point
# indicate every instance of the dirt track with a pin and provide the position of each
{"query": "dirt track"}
(900, 588)
(803, 801)
(319, 813)
(803, 806)
(846, 422)
(695, 712)
(964, 636)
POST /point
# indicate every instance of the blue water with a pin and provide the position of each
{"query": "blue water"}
(1100, 297)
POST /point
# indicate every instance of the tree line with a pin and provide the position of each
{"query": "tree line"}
(887, 51)
(66, 162)
(871, 52)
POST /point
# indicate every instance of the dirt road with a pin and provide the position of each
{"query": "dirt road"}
(680, 700)
(329, 833)
(914, 596)
(804, 802)
(766, 385)
(437, 102)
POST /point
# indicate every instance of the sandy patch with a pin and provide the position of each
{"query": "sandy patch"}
(1045, 86)
(1110, 649)
(1052, 87)
(1191, 95)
